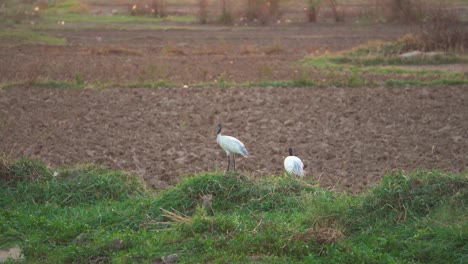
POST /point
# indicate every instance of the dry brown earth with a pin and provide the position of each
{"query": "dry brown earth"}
(187, 55)
(348, 138)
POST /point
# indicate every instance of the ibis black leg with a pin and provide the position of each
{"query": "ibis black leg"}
(234, 160)
(229, 162)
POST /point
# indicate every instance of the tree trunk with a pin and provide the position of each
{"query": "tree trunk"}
(203, 13)
(312, 13)
(274, 8)
(154, 7)
(337, 17)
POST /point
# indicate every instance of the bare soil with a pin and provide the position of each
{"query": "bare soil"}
(187, 55)
(347, 138)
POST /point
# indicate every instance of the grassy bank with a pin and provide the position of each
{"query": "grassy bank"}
(382, 64)
(87, 214)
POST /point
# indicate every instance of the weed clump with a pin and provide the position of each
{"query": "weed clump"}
(35, 182)
(23, 170)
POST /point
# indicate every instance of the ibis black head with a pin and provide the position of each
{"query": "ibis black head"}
(219, 128)
(290, 151)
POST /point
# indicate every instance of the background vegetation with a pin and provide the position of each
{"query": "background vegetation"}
(440, 34)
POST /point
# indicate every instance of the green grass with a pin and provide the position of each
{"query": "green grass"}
(77, 84)
(266, 83)
(395, 83)
(379, 64)
(18, 37)
(395, 60)
(118, 20)
(88, 213)
(76, 15)
(353, 80)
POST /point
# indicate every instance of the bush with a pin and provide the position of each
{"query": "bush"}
(406, 10)
(442, 30)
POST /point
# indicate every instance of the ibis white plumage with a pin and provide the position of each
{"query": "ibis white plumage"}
(231, 146)
(293, 164)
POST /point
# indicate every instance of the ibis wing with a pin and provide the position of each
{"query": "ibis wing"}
(298, 170)
(232, 145)
(294, 165)
(243, 150)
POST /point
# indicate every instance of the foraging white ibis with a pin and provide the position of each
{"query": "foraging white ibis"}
(232, 146)
(293, 164)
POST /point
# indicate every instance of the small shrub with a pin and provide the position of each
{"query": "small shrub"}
(408, 42)
(156, 72)
(264, 72)
(79, 80)
(443, 30)
(274, 47)
(302, 78)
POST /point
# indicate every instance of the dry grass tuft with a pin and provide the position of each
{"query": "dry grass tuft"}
(247, 49)
(274, 48)
(176, 216)
(5, 166)
(172, 49)
(409, 42)
(25, 169)
(320, 235)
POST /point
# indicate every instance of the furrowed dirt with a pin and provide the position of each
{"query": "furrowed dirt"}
(348, 138)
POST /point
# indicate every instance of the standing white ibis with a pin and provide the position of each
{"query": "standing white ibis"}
(293, 164)
(232, 146)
